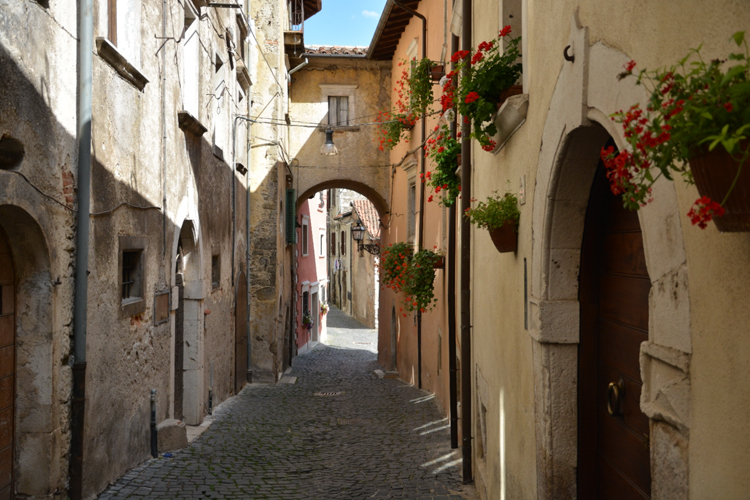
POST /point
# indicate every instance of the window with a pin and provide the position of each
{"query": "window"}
(131, 264)
(338, 110)
(322, 251)
(190, 54)
(215, 271)
(343, 243)
(123, 28)
(305, 302)
(411, 211)
(131, 275)
(217, 104)
(304, 237)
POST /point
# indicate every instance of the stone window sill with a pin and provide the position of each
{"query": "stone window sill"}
(509, 118)
(336, 128)
(189, 123)
(132, 307)
(114, 58)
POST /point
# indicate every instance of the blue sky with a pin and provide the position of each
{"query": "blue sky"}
(344, 22)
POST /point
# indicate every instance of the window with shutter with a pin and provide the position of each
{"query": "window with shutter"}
(290, 204)
(338, 110)
(343, 243)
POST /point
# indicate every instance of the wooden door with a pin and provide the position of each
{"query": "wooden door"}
(613, 433)
(179, 346)
(315, 316)
(7, 366)
(240, 334)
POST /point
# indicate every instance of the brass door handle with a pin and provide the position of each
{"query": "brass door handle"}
(615, 393)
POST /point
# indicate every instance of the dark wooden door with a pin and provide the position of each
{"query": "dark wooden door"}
(179, 346)
(7, 366)
(240, 334)
(613, 433)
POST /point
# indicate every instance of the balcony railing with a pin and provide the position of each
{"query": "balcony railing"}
(296, 15)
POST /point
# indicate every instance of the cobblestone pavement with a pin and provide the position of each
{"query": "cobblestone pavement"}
(365, 438)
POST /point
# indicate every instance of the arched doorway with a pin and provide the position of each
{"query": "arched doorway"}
(7, 366)
(240, 333)
(613, 432)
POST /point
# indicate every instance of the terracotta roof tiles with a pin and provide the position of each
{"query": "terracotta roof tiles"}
(369, 217)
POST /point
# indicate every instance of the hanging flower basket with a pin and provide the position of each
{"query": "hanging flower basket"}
(714, 173)
(439, 263)
(509, 92)
(505, 237)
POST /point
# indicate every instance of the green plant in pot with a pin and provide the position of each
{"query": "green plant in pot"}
(394, 264)
(307, 320)
(420, 277)
(490, 73)
(444, 151)
(499, 215)
(696, 124)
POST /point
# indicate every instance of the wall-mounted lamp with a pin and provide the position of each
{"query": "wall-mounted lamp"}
(358, 233)
(329, 148)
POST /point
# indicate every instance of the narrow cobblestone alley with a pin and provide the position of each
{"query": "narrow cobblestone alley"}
(336, 432)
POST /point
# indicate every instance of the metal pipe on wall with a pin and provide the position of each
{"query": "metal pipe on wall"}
(466, 264)
(420, 234)
(452, 371)
(80, 299)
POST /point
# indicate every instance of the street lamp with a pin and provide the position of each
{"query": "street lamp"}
(329, 148)
(358, 233)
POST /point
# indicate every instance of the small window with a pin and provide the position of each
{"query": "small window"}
(304, 238)
(333, 243)
(215, 271)
(305, 302)
(131, 267)
(132, 285)
(322, 244)
(343, 243)
(338, 110)
(412, 211)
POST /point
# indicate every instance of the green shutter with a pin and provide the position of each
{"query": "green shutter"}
(291, 212)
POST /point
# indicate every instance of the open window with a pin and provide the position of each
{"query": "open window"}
(131, 267)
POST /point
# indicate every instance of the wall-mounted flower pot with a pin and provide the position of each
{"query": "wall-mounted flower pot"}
(509, 92)
(505, 237)
(440, 263)
(437, 72)
(714, 173)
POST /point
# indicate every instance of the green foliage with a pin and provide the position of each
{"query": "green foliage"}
(494, 212)
(394, 262)
(410, 273)
(444, 151)
(420, 87)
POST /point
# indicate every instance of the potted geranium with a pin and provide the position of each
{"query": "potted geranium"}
(324, 308)
(499, 215)
(491, 73)
(418, 285)
(307, 320)
(444, 151)
(696, 124)
(394, 262)
(415, 96)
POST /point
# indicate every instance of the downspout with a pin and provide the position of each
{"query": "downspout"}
(299, 67)
(466, 264)
(164, 127)
(452, 372)
(80, 299)
(420, 234)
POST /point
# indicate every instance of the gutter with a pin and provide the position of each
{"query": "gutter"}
(299, 67)
(80, 298)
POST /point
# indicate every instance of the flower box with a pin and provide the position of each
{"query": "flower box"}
(439, 263)
(713, 173)
(505, 237)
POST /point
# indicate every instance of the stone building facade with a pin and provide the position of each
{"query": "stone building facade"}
(187, 211)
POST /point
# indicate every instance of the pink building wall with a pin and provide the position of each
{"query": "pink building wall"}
(312, 267)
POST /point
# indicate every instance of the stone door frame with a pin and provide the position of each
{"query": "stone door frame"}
(576, 128)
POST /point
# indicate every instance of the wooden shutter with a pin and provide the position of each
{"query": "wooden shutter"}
(112, 21)
(333, 243)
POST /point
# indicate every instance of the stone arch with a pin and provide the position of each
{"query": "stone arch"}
(37, 433)
(372, 194)
(575, 130)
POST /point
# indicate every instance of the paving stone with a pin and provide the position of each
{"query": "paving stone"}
(280, 442)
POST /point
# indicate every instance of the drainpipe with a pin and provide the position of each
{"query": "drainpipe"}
(164, 127)
(420, 234)
(299, 67)
(466, 265)
(80, 299)
(452, 372)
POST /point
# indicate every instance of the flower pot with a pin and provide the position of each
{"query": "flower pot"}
(714, 173)
(505, 237)
(439, 264)
(437, 72)
(510, 91)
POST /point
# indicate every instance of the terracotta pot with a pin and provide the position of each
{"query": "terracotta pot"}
(510, 91)
(505, 237)
(439, 264)
(437, 72)
(714, 173)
